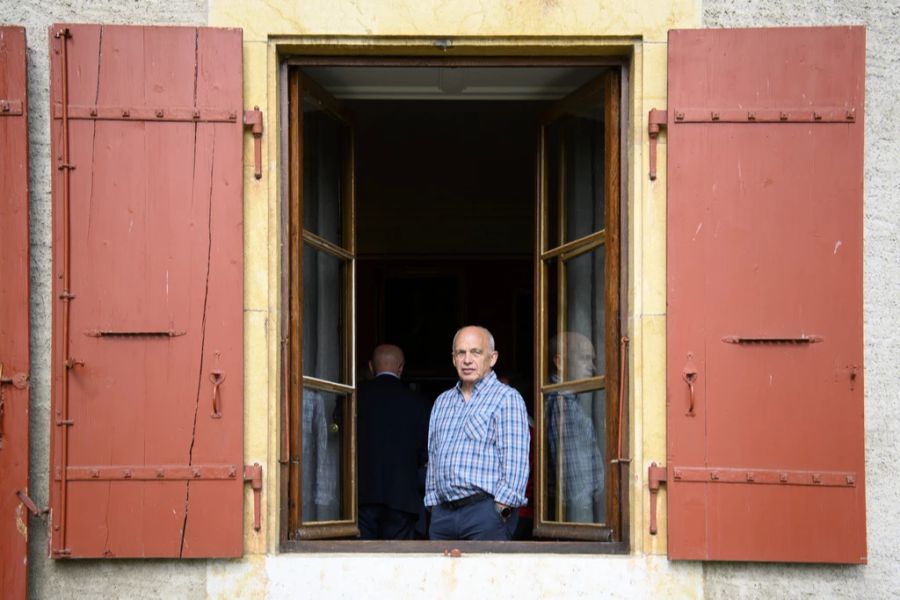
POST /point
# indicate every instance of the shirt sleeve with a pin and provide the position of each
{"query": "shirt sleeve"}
(512, 449)
(430, 483)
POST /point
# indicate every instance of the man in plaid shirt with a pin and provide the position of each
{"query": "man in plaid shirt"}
(478, 444)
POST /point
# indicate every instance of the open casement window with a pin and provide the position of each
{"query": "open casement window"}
(766, 453)
(14, 332)
(322, 396)
(577, 281)
(147, 389)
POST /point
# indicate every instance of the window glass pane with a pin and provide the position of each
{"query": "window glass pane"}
(323, 154)
(574, 452)
(323, 315)
(573, 171)
(553, 161)
(584, 174)
(576, 317)
(324, 454)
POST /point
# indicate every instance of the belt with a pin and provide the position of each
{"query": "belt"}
(461, 502)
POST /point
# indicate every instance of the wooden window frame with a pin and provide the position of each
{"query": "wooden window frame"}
(604, 90)
(300, 87)
(617, 62)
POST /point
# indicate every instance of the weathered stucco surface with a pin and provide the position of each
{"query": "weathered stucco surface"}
(88, 579)
(880, 578)
(521, 576)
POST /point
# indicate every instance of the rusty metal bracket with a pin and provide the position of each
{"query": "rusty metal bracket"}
(31, 506)
(656, 120)
(108, 333)
(253, 120)
(800, 339)
(253, 475)
(764, 476)
(10, 108)
(177, 114)
(824, 114)
(656, 475)
(18, 380)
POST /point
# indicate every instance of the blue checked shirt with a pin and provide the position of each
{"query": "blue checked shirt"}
(574, 449)
(478, 446)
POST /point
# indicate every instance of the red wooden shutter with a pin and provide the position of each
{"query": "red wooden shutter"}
(13, 312)
(765, 181)
(148, 290)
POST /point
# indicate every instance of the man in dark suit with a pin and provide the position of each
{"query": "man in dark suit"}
(392, 429)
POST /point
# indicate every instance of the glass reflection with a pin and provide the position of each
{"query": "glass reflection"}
(323, 454)
(323, 154)
(577, 287)
(574, 451)
(323, 313)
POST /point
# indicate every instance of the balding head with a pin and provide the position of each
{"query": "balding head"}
(387, 358)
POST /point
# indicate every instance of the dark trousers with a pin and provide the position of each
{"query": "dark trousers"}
(380, 522)
(476, 521)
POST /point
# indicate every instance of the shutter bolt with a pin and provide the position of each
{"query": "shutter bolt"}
(850, 480)
(816, 478)
(751, 116)
(159, 114)
(160, 473)
(851, 114)
(783, 116)
(196, 114)
(126, 474)
(750, 477)
(714, 476)
(95, 473)
(783, 478)
(94, 111)
(126, 114)
(196, 473)
(715, 115)
(817, 115)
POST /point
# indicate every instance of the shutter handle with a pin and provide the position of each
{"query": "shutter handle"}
(689, 374)
(217, 377)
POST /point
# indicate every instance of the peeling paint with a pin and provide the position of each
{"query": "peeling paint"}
(21, 520)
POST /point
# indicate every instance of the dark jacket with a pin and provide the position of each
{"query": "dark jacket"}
(392, 426)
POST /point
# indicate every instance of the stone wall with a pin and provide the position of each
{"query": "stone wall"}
(878, 579)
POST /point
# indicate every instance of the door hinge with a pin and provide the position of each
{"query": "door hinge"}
(656, 475)
(655, 121)
(253, 120)
(253, 475)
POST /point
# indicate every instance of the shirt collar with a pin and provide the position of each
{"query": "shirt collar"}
(485, 381)
(394, 375)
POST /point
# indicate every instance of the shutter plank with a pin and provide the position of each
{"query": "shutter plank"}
(765, 241)
(14, 287)
(156, 208)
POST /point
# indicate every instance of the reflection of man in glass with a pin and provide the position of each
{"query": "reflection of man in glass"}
(575, 470)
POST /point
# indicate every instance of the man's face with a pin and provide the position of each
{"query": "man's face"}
(471, 355)
(580, 358)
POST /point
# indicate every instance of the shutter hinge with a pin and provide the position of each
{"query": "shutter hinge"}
(253, 120)
(253, 475)
(656, 475)
(655, 121)
(30, 505)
